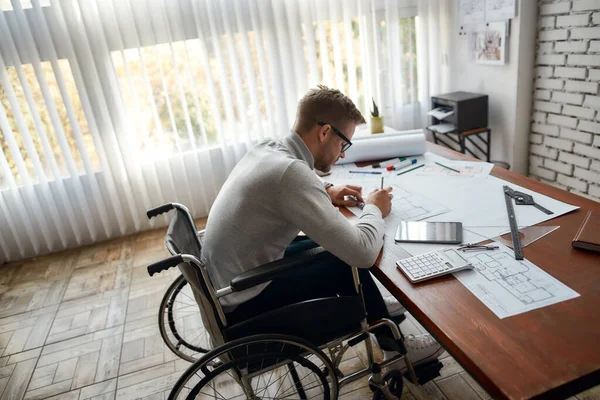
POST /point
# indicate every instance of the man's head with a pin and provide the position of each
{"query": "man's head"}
(326, 120)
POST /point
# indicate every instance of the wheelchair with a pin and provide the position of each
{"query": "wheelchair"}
(293, 352)
(179, 321)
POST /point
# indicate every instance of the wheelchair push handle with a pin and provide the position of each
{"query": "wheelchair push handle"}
(153, 212)
(165, 264)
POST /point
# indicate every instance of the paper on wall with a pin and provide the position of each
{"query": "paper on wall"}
(472, 11)
(500, 10)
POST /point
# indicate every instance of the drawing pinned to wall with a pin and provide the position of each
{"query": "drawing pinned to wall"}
(490, 44)
(472, 11)
(499, 10)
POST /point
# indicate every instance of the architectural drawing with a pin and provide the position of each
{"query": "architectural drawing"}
(509, 287)
(406, 206)
(515, 276)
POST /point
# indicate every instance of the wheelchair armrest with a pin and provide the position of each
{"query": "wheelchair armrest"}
(266, 272)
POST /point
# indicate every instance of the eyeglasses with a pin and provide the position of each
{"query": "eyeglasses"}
(346, 145)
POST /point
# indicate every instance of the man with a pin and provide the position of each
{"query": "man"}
(273, 194)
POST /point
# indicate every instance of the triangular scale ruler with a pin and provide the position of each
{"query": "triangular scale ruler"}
(528, 235)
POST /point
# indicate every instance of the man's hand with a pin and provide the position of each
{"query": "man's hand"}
(382, 199)
(345, 195)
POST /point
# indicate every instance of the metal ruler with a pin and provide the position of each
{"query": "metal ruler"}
(512, 221)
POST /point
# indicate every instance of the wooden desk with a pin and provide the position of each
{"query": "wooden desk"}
(552, 352)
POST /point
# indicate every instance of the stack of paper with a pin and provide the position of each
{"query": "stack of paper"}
(441, 112)
(442, 128)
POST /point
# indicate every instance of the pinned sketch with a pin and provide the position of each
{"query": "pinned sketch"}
(509, 287)
(500, 10)
(490, 44)
(472, 12)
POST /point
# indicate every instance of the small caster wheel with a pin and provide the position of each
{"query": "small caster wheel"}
(393, 385)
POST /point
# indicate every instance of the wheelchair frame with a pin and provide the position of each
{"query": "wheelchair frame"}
(336, 348)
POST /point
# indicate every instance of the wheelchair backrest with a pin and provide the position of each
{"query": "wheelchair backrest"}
(182, 238)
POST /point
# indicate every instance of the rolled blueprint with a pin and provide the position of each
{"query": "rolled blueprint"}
(384, 146)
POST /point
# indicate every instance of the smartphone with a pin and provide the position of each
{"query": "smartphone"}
(429, 232)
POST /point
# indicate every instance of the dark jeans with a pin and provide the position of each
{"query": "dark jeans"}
(321, 279)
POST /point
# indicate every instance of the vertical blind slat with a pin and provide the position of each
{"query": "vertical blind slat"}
(82, 85)
(60, 134)
(111, 106)
(84, 200)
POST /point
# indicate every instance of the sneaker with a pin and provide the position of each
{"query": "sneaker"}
(421, 348)
(393, 306)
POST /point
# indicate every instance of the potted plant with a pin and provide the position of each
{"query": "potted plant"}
(376, 120)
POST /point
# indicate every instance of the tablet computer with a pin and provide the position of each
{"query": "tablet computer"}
(429, 232)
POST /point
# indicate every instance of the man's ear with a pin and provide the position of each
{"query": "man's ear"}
(322, 134)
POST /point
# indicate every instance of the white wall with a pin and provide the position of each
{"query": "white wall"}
(509, 87)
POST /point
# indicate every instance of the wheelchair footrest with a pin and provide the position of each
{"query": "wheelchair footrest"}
(426, 371)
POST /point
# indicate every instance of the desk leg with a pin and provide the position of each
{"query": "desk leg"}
(489, 144)
(462, 143)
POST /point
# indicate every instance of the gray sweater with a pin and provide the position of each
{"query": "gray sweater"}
(271, 195)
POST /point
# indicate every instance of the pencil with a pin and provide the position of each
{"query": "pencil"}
(412, 169)
(382, 183)
(366, 172)
(451, 169)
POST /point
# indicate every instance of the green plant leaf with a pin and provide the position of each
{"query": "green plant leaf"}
(375, 112)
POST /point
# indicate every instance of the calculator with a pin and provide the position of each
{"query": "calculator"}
(431, 265)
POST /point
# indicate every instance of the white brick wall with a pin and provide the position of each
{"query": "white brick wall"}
(565, 129)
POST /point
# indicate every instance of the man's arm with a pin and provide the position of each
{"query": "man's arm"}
(305, 204)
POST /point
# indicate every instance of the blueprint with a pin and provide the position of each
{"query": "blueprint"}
(406, 206)
(509, 287)
(466, 169)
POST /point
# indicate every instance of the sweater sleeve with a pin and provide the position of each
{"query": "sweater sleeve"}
(305, 204)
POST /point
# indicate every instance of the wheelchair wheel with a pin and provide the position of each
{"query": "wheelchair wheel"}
(180, 322)
(260, 367)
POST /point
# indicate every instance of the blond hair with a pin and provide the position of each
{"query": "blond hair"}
(327, 105)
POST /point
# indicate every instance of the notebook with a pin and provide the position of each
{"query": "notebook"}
(588, 235)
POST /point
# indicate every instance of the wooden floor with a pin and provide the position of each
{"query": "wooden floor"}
(82, 324)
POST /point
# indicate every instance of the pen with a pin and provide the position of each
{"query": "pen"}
(401, 165)
(382, 183)
(388, 162)
(451, 169)
(412, 169)
(366, 172)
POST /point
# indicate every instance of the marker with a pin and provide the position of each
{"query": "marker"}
(366, 172)
(382, 183)
(451, 169)
(401, 165)
(412, 169)
(388, 162)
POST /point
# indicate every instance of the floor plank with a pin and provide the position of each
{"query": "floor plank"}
(456, 388)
